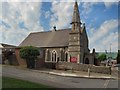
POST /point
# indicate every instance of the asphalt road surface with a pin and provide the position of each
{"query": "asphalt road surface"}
(58, 81)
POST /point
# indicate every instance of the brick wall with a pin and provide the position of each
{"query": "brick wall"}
(21, 61)
(50, 65)
(39, 62)
(12, 59)
(83, 67)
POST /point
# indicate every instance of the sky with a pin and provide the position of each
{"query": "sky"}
(19, 18)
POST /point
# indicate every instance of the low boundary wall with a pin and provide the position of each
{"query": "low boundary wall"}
(83, 67)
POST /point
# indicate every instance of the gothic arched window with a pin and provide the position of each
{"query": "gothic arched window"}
(66, 56)
(48, 55)
(54, 56)
(62, 55)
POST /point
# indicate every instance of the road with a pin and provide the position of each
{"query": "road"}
(58, 81)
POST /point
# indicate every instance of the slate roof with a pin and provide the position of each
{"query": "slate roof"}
(58, 38)
(3, 45)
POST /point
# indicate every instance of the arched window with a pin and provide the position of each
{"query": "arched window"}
(48, 55)
(62, 55)
(66, 56)
(54, 56)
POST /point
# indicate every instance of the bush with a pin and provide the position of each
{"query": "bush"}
(29, 53)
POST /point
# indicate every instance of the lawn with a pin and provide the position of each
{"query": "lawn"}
(17, 83)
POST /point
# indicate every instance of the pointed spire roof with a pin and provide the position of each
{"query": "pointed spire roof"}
(76, 16)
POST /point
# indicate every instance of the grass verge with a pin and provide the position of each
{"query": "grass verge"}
(8, 82)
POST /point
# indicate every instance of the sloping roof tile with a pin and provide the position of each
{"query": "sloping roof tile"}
(3, 45)
(58, 38)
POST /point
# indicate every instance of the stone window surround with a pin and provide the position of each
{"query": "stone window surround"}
(53, 52)
(66, 52)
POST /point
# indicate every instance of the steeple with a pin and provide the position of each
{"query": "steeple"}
(76, 19)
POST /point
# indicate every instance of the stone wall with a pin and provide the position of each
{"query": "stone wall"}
(83, 67)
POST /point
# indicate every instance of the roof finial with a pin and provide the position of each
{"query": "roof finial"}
(83, 24)
(76, 5)
(54, 28)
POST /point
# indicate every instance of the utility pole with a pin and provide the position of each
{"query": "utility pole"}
(110, 56)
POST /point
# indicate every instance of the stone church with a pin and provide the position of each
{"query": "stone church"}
(64, 45)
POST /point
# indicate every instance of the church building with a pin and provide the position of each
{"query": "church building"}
(64, 45)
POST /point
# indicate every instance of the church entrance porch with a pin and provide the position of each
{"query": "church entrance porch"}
(86, 61)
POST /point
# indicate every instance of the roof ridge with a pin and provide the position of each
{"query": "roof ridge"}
(50, 31)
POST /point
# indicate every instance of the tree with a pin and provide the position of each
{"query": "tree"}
(118, 57)
(102, 57)
(29, 53)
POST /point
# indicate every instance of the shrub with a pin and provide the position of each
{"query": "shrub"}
(29, 53)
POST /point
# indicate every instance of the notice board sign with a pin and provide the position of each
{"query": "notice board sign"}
(73, 59)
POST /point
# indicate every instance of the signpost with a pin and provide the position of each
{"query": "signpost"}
(73, 59)
(89, 72)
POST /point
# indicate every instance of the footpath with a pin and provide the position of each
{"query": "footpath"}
(77, 74)
(71, 73)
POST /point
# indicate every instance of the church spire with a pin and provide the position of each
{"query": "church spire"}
(76, 18)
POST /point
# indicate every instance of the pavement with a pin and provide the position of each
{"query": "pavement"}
(59, 78)
(70, 73)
